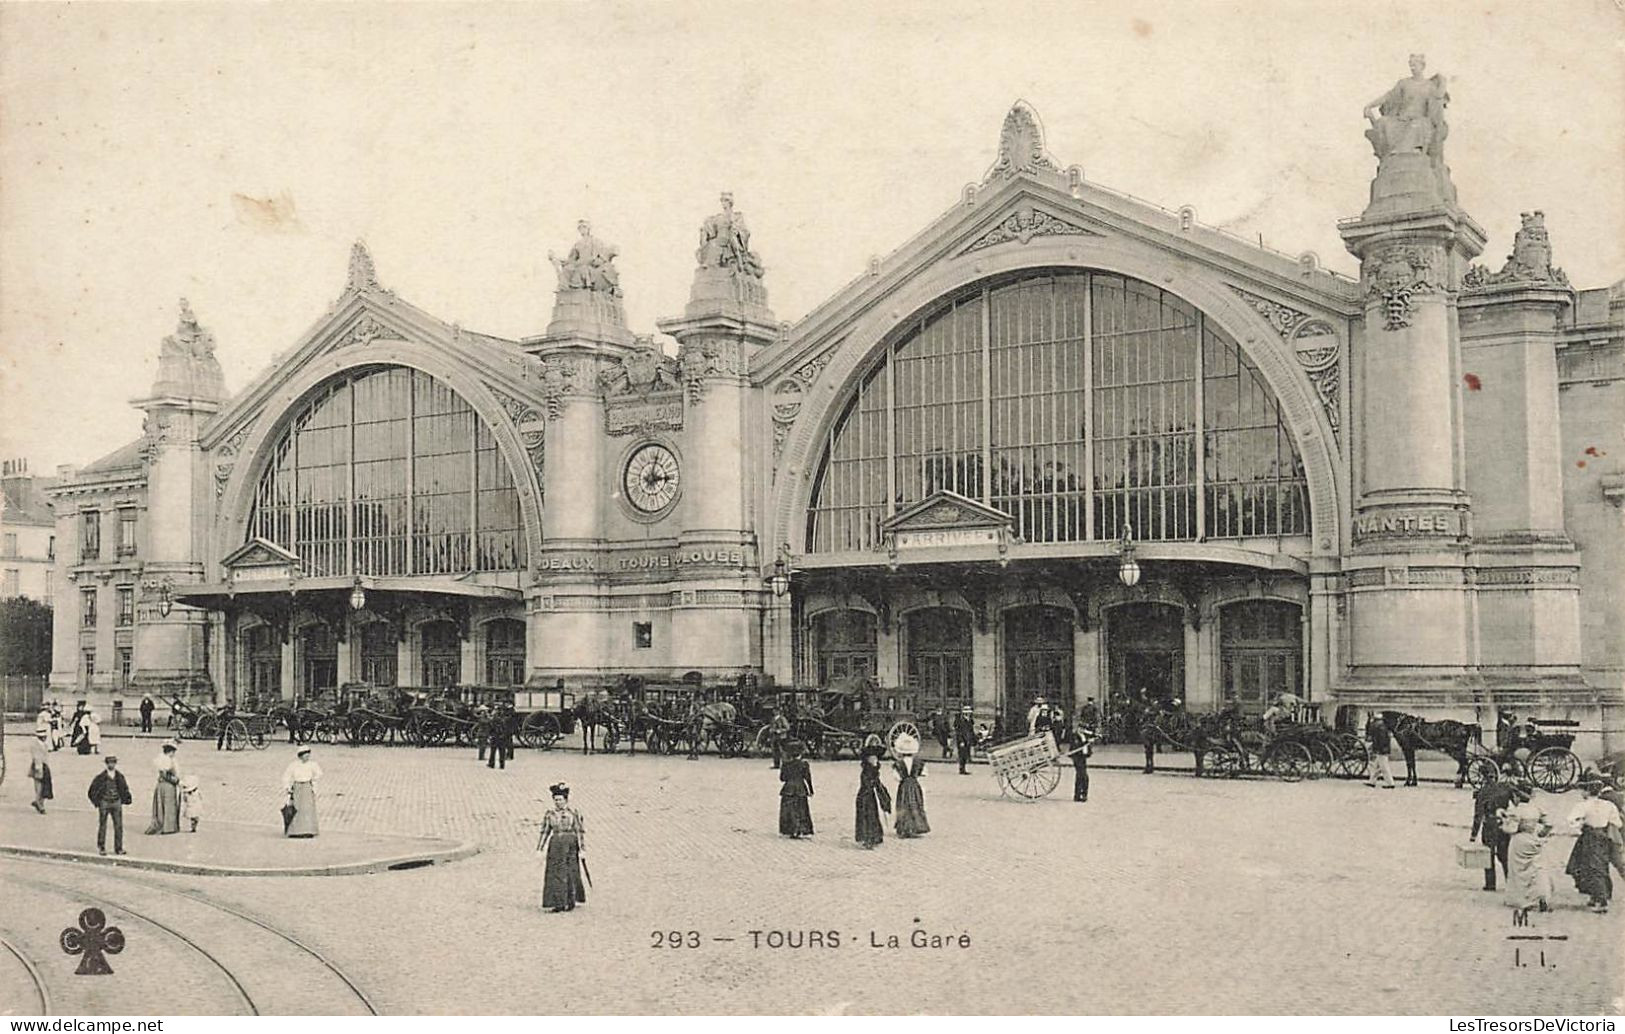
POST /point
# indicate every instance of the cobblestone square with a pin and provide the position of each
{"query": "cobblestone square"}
(1162, 894)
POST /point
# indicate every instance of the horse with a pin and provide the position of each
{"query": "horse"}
(706, 723)
(1448, 737)
(593, 712)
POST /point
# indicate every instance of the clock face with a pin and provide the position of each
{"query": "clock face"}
(651, 478)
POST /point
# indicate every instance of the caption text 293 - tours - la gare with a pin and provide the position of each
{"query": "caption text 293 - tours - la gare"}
(915, 939)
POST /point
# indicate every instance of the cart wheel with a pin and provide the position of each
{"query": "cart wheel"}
(259, 735)
(1353, 760)
(898, 728)
(730, 742)
(763, 746)
(1554, 769)
(1324, 758)
(204, 729)
(1034, 783)
(1289, 761)
(1223, 764)
(1481, 772)
(237, 734)
(1003, 781)
(323, 733)
(373, 732)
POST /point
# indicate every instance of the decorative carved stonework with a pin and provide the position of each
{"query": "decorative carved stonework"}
(365, 331)
(788, 396)
(1026, 223)
(158, 430)
(1021, 145)
(699, 363)
(1314, 343)
(646, 371)
(1397, 274)
(225, 458)
(1529, 263)
(561, 376)
(363, 277)
(528, 422)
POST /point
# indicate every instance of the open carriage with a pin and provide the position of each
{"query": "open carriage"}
(838, 719)
(1540, 751)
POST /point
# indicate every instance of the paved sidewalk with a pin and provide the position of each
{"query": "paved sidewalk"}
(218, 848)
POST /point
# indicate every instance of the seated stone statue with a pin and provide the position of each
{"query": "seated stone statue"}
(1410, 116)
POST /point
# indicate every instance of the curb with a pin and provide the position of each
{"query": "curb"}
(454, 852)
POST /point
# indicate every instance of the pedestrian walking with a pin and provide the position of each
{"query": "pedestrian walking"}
(795, 778)
(563, 844)
(78, 734)
(1381, 741)
(779, 734)
(911, 821)
(224, 718)
(1591, 821)
(110, 792)
(299, 783)
(1610, 793)
(1488, 802)
(146, 712)
(1080, 749)
(1529, 882)
(964, 737)
(38, 770)
(56, 726)
(873, 798)
(166, 803)
(483, 730)
(191, 800)
(942, 729)
(93, 732)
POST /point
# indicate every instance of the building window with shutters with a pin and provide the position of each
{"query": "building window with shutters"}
(12, 583)
(126, 606)
(87, 608)
(90, 535)
(90, 665)
(124, 665)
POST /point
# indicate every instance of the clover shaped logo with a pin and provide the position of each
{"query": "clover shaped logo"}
(94, 940)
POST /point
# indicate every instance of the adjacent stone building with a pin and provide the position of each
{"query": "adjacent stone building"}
(27, 534)
(1060, 442)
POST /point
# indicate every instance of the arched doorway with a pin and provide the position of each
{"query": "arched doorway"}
(318, 660)
(1146, 652)
(1260, 652)
(939, 658)
(442, 654)
(505, 652)
(380, 657)
(1037, 660)
(843, 644)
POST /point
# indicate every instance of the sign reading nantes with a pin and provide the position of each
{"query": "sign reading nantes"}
(1416, 524)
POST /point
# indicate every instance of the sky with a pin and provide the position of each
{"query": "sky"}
(230, 154)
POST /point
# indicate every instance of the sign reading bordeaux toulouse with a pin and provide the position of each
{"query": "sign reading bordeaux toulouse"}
(656, 561)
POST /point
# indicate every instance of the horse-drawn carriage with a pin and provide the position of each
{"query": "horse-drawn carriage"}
(1540, 751)
(202, 722)
(1228, 744)
(840, 718)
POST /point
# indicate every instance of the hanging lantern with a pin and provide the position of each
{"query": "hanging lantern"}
(1128, 569)
(358, 596)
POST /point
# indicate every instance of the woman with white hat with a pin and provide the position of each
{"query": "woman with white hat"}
(909, 767)
(166, 800)
(299, 782)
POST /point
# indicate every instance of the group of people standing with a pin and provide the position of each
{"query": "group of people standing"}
(82, 732)
(1512, 825)
(873, 798)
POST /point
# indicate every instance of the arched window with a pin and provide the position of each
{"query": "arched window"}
(844, 644)
(1260, 652)
(1080, 404)
(386, 471)
(505, 652)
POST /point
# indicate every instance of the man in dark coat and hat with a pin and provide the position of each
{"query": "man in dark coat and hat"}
(110, 792)
(964, 736)
(1487, 802)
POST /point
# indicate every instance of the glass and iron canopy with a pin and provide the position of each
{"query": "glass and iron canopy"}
(1081, 404)
(386, 471)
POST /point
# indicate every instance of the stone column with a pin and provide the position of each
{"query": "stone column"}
(289, 671)
(1087, 679)
(888, 656)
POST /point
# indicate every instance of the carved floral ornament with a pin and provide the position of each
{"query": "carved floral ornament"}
(225, 457)
(709, 361)
(1397, 274)
(1024, 224)
(1314, 344)
(1021, 145)
(790, 392)
(532, 430)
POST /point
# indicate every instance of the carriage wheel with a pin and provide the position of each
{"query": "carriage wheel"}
(323, 733)
(1003, 781)
(204, 728)
(730, 742)
(1353, 759)
(372, 732)
(1482, 771)
(237, 734)
(259, 734)
(1554, 769)
(1034, 783)
(1323, 756)
(1289, 761)
(898, 728)
(763, 744)
(544, 729)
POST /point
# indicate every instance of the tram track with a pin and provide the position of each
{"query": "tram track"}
(300, 947)
(34, 976)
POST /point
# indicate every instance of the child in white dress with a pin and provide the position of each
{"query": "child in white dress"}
(191, 799)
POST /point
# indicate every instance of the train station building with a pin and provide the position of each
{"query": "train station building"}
(1061, 442)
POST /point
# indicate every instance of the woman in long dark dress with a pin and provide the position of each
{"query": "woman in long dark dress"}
(909, 767)
(1592, 819)
(795, 817)
(563, 840)
(873, 799)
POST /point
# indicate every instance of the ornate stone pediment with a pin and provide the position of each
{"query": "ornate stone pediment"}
(946, 521)
(646, 371)
(1024, 224)
(259, 560)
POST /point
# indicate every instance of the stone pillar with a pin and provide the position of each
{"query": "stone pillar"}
(290, 672)
(888, 654)
(984, 666)
(167, 653)
(1193, 660)
(1087, 679)
(348, 646)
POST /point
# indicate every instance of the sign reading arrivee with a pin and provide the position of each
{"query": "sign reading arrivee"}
(937, 538)
(268, 573)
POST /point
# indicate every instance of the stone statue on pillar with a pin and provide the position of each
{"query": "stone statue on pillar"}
(187, 367)
(587, 305)
(590, 266)
(1407, 135)
(725, 242)
(729, 273)
(1529, 263)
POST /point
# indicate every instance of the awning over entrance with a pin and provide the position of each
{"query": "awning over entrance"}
(227, 596)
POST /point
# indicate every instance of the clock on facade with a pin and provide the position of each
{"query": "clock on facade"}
(651, 478)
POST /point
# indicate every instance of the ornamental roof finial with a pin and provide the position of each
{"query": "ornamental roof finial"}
(363, 277)
(1021, 144)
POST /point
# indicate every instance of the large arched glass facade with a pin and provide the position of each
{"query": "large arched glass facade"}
(1080, 403)
(386, 471)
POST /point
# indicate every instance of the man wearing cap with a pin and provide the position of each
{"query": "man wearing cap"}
(1078, 743)
(299, 783)
(38, 770)
(964, 736)
(109, 792)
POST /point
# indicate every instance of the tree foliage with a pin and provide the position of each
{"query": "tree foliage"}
(25, 637)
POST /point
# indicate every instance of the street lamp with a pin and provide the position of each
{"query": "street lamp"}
(358, 596)
(1128, 569)
(780, 580)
